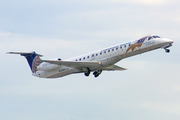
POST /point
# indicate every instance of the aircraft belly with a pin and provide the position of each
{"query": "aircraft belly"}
(61, 72)
(149, 48)
(41, 74)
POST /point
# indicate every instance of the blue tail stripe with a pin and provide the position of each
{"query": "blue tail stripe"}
(30, 58)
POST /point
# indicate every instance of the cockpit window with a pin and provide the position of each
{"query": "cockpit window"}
(150, 38)
(156, 37)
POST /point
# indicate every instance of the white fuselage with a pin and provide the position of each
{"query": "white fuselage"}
(107, 56)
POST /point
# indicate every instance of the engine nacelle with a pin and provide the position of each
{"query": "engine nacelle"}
(47, 67)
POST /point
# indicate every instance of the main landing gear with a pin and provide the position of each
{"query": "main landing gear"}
(95, 73)
(167, 50)
(87, 72)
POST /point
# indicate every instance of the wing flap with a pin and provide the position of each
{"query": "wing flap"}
(113, 67)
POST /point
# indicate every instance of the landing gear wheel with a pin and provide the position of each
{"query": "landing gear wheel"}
(87, 73)
(97, 73)
(167, 50)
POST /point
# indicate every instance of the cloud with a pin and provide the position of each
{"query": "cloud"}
(121, 22)
(149, 2)
(163, 107)
(17, 42)
(146, 2)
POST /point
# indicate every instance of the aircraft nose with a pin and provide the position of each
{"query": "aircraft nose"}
(168, 40)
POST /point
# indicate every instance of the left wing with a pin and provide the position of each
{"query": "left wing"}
(83, 64)
(75, 64)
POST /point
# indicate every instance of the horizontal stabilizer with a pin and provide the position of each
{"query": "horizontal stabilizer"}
(24, 53)
(32, 59)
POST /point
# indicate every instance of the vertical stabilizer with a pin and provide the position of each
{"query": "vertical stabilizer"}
(32, 59)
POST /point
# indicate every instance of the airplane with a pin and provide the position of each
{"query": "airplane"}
(97, 61)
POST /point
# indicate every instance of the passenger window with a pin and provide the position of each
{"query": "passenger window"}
(80, 59)
(100, 53)
(117, 48)
(92, 55)
(121, 47)
(97, 54)
(112, 49)
(104, 51)
(125, 46)
(129, 44)
(108, 50)
(76, 59)
(88, 57)
(84, 58)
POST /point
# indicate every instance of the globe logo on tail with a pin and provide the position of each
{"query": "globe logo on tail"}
(35, 64)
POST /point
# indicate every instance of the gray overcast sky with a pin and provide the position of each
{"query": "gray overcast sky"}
(149, 89)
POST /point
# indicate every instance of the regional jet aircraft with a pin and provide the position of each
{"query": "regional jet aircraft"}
(96, 61)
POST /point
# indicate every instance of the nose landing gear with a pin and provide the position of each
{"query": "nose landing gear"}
(167, 50)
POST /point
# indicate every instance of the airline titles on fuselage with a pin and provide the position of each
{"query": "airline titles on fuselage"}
(128, 45)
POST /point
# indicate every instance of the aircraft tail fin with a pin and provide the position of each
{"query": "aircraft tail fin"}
(32, 59)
